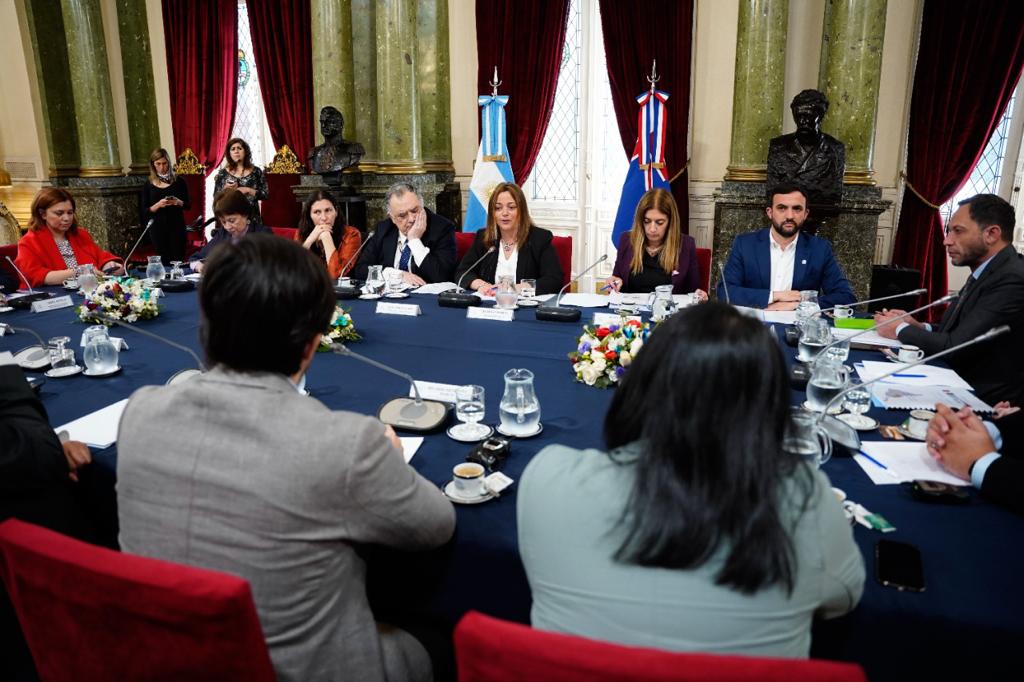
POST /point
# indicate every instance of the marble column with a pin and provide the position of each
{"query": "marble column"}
(90, 84)
(364, 68)
(757, 102)
(432, 84)
(398, 132)
(850, 70)
(333, 75)
(139, 90)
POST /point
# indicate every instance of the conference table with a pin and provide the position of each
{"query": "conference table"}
(967, 622)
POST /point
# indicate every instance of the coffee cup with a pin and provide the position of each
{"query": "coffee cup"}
(918, 422)
(842, 312)
(469, 479)
(910, 354)
(71, 283)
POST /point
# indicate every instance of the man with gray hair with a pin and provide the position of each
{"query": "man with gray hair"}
(412, 239)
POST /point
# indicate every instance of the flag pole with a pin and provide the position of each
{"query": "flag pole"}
(495, 82)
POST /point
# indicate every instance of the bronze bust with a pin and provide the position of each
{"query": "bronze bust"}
(336, 153)
(808, 158)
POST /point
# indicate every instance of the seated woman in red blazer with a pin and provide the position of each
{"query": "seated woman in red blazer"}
(54, 246)
(656, 252)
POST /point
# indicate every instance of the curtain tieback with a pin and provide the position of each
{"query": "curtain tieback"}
(681, 171)
(906, 181)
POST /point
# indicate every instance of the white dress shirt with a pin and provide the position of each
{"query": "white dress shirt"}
(419, 252)
(506, 265)
(782, 258)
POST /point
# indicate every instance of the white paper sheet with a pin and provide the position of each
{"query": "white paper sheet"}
(436, 288)
(97, 429)
(869, 339)
(585, 300)
(908, 461)
(410, 444)
(780, 316)
(922, 375)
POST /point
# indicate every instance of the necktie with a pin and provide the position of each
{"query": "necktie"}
(947, 319)
(403, 261)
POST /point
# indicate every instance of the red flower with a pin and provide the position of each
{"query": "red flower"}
(603, 332)
(611, 355)
(634, 323)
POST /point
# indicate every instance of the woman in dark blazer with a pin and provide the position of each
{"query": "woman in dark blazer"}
(656, 252)
(521, 249)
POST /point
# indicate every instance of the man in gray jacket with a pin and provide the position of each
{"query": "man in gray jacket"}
(236, 471)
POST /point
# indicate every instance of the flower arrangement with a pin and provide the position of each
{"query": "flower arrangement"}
(120, 298)
(341, 328)
(603, 353)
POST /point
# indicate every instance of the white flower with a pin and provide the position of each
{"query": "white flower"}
(613, 375)
(590, 374)
(625, 358)
(614, 342)
(596, 355)
(635, 347)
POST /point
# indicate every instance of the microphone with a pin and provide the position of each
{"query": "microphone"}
(846, 435)
(175, 378)
(37, 355)
(137, 242)
(348, 291)
(725, 285)
(25, 302)
(197, 225)
(557, 313)
(458, 299)
(915, 292)
(411, 414)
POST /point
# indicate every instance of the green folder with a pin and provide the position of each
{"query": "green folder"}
(854, 323)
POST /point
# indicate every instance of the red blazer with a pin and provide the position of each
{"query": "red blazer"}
(38, 254)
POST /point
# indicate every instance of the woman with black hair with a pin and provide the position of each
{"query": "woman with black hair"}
(238, 172)
(696, 531)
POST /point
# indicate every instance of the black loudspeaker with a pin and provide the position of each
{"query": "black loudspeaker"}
(887, 280)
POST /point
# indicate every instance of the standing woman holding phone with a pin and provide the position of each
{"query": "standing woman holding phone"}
(239, 173)
(164, 200)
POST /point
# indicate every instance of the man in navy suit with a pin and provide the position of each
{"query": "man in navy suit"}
(412, 239)
(770, 267)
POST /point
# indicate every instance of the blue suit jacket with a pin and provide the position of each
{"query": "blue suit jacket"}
(749, 270)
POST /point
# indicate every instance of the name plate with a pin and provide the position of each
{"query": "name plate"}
(430, 390)
(410, 309)
(51, 304)
(608, 319)
(500, 314)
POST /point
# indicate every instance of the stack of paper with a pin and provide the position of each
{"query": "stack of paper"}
(921, 375)
(868, 339)
(97, 429)
(903, 462)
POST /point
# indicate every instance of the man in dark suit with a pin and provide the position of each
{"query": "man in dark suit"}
(770, 267)
(979, 236)
(970, 449)
(413, 239)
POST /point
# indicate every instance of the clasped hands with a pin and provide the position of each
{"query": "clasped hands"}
(957, 440)
(887, 322)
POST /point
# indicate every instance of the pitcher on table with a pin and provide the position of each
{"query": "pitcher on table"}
(519, 408)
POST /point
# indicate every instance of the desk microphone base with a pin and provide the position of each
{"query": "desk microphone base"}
(454, 299)
(25, 302)
(558, 314)
(346, 293)
(408, 415)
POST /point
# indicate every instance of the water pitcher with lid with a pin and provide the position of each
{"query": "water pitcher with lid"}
(519, 408)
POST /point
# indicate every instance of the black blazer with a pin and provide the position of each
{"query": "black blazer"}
(220, 235)
(996, 368)
(439, 238)
(537, 260)
(1004, 479)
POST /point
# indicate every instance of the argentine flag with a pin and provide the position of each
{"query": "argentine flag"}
(647, 165)
(492, 164)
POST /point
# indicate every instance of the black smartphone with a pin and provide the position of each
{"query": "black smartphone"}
(898, 565)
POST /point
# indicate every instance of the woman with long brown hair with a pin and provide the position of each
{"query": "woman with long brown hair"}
(164, 201)
(317, 233)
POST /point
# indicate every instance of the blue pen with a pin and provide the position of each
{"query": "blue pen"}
(879, 464)
(910, 376)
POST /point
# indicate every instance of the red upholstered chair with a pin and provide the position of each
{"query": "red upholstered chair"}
(280, 207)
(704, 267)
(91, 614)
(463, 240)
(492, 650)
(197, 192)
(286, 232)
(563, 247)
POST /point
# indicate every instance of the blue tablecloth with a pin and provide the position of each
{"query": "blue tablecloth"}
(964, 623)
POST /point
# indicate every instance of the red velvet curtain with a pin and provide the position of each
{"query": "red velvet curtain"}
(286, 75)
(968, 65)
(524, 39)
(635, 33)
(202, 67)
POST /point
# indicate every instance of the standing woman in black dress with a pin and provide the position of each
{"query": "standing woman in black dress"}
(239, 173)
(164, 200)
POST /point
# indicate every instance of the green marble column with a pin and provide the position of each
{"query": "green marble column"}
(432, 84)
(333, 79)
(364, 68)
(90, 84)
(139, 91)
(757, 101)
(50, 57)
(851, 67)
(398, 125)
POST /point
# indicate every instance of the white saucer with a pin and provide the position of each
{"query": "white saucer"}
(540, 427)
(396, 294)
(836, 409)
(61, 372)
(487, 434)
(861, 422)
(449, 492)
(5, 309)
(89, 373)
(369, 297)
(71, 287)
(902, 428)
(24, 357)
(528, 303)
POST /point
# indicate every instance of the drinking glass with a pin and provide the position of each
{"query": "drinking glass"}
(858, 398)
(527, 289)
(87, 281)
(62, 355)
(154, 270)
(176, 271)
(395, 282)
(469, 409)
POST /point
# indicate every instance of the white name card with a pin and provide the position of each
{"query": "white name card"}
(55, 303)
(500, 314)
(410, 309)
(431, 390)
(608, 319)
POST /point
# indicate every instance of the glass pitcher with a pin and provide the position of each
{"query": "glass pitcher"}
(662, 303)
(155, 269)
(100, 352)
(506, 295)
(807, 438)
(519, 408)
(87, 280)
(829, 378)
(815, 334)
(375, 280)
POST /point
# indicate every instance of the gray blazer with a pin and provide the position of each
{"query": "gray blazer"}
(239, 473)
